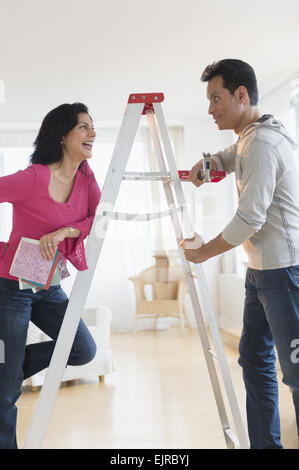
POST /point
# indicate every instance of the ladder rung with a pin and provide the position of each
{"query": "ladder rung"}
(146, 176)
(141, 217)
(193, 275)
(213, 353)
(232, 437)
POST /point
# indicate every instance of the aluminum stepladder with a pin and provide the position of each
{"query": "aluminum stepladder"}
(138, 104)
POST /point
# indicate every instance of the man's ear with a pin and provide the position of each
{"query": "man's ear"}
(242, 94)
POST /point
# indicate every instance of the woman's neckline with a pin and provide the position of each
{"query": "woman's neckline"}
(72, 191)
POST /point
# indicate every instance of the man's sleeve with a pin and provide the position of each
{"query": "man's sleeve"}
(259, 171)
(225, 159)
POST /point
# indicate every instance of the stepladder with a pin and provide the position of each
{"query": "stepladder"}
(149, 104)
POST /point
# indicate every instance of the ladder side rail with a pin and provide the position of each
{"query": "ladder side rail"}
(50, 388)
(207, 307)
(48, 394)
(192, 289)
(163, 169)
(205, 298)
(208, 357)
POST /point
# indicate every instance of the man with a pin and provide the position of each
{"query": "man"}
(267, 224)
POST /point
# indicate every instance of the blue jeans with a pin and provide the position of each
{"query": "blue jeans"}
(271, 317)
(46, 310)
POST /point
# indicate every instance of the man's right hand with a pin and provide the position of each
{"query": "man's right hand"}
(193, 175)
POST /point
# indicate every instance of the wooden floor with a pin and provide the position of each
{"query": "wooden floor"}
(160, 397)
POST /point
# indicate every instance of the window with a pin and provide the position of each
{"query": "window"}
(13, 159)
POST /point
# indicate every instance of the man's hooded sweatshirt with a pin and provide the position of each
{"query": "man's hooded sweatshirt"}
(267, 218)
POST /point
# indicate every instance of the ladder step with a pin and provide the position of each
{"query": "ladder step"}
(141, 217)
(146, 176)
(212, 353)
(192, 275)
(155, 176)
(234, 440)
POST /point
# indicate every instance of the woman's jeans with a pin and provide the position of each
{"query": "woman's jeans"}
(46, 310)
(271, 317)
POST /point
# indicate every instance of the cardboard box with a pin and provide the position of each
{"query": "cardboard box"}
(162, 264)
(165, 290)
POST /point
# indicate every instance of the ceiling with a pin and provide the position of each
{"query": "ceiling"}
(98, 52)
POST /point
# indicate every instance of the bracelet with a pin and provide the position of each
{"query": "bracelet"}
(71, 229)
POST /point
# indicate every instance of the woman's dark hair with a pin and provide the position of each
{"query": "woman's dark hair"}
(56, 124)
(234, 73)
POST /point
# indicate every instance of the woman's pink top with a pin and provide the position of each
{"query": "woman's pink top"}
(36, 214)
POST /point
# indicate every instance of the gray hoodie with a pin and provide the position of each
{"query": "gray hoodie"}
(267, 218)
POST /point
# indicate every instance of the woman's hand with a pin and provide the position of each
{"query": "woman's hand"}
(49, 242)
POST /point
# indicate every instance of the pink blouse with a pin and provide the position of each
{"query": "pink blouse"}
(36, 214)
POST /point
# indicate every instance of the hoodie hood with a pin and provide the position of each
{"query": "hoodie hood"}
(267, 121)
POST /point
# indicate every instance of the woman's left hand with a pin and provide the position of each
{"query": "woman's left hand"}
(50, 241)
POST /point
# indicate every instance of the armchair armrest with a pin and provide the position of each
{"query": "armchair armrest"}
(103, 321)
(139, 290)
(103, 316)
(182, 289)
(89, 315)
(96, 315)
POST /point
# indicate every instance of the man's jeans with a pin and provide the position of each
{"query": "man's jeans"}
(46, 310)
(271, 312)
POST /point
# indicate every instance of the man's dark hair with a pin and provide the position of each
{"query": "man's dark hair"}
(56, 125)
(234, 73)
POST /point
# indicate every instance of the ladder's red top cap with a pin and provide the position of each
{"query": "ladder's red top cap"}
(146, 98)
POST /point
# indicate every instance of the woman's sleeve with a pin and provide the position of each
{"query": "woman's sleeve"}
(17, 187)
(94, 195)
(73, 248)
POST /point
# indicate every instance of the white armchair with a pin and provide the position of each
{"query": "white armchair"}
(98, 321)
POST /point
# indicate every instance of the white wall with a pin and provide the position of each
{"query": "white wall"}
(277, 102)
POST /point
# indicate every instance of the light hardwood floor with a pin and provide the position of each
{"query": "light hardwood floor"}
(159, 397)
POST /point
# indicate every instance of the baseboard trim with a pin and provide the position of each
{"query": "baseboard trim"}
(231, 336)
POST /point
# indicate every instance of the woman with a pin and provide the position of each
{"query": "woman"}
(54, 200)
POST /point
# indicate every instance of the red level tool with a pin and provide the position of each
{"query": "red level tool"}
(215, 175)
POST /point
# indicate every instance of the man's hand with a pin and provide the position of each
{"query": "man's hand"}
(197, 255)
(192, 247)
(193, 175)
(213, 248)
